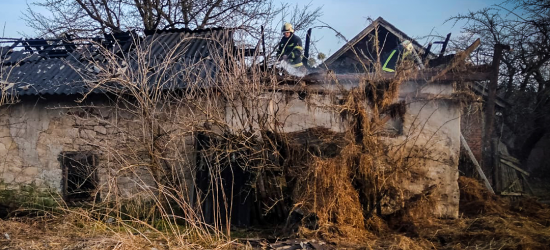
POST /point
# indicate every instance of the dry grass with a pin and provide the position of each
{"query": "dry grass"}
(347, 192)
(70, 232)
(523, 224)
(349, 186)
(76, 230)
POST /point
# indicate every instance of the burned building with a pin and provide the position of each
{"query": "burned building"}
(64, 126)
(373, 43)
(87, 129)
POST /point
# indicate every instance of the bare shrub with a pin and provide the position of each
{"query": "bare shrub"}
(193, 139)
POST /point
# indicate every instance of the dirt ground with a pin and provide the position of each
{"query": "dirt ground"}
(486, 222)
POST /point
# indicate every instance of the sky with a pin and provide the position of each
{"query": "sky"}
(415, 18)
(349, 17)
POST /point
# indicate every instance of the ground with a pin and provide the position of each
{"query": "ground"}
(486, 222)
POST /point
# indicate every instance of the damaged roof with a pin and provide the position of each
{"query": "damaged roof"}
(345, 59)
(61, 67)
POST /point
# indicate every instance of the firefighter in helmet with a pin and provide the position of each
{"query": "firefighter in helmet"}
(403, 51)
(290, 47)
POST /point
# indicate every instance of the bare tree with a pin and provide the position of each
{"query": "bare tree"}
(524, 78)
(89, 17)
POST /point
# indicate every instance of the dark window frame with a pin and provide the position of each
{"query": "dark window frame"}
(70, 162)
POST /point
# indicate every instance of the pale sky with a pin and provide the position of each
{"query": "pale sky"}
(415, 18)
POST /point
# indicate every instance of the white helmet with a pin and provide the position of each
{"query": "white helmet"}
(407, 45)
(287, 27)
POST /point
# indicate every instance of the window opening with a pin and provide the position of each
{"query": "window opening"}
(80, 179)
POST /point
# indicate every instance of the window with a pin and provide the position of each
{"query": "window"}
(393, 127)
(79, 176)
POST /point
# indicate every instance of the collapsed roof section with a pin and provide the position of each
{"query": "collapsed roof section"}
(68, 66)
(350, 61)
(361, 50)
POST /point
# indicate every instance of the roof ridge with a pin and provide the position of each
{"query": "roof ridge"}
(181, 30)
(378, 21)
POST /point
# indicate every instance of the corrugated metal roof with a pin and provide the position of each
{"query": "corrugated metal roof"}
(40, 74)
(198, 43)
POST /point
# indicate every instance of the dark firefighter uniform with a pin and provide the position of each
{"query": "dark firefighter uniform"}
(291, 47)
(397, 55)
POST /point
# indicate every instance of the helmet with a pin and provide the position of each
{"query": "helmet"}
(287, 27)
(407, 45)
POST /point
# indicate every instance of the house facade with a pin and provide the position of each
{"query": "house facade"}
(56, 140)
(74, 132)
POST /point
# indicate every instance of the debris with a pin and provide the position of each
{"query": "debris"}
(7, 236)
(110, 220)
(295, 244)
(25, 87)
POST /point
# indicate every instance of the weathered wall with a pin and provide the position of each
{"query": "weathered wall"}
(34, 134)
(432, 122)
(286, 111)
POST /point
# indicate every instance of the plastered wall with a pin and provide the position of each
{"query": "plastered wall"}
(431, 124)
(34, 134)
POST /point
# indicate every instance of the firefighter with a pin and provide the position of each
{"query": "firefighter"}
(290, 48)
(401, 52)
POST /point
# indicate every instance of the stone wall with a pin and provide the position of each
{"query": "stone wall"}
(34, 134)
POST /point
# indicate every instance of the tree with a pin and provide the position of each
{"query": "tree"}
(524, 76)
(90, 17)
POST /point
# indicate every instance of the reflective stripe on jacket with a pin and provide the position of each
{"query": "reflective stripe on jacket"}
(292, 48)
(395, 57)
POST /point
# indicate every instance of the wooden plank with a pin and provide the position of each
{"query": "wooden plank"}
(500, 179)
(482, 91)
(510, 164)
(510, 159)
(473, 158)
(490, 148)
(511, 194)
(509, 187)
(459, 58)
(510, 179)
(528, 185)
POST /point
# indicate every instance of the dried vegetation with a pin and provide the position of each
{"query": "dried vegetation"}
(486, 222)
(345, 188)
